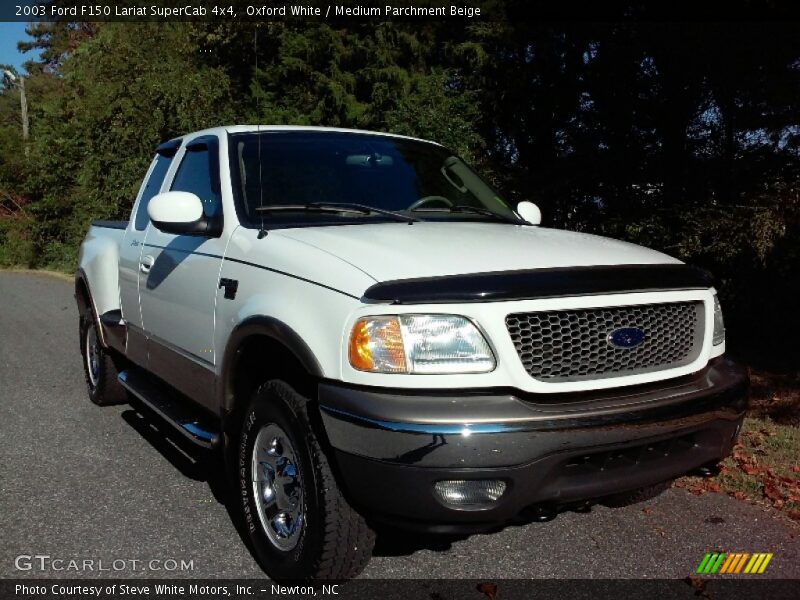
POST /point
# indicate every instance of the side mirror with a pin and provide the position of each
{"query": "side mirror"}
(181, 213)
(529, 212)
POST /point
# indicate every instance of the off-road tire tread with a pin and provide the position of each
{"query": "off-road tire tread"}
(108, 390)
(347, 540)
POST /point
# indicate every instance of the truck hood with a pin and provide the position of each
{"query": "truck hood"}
(389, 251)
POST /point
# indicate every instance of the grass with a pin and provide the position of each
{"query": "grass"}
(775, 397)
(52, 273)
(764, 467)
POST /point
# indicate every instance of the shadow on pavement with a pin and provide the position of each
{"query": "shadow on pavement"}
(398, 542)
(199, 464)
(192, 461)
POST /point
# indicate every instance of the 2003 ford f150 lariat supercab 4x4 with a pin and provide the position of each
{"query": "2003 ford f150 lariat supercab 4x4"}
(371, 334)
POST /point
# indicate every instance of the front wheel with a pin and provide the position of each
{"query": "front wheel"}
(300, 524)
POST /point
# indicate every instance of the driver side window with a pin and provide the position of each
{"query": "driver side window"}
(194, 176)
(159, 171)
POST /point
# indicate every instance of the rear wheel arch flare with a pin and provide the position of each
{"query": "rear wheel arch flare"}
(82, 293)
(83, 297)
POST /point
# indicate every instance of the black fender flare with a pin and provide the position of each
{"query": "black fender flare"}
(82, 279)
(260, 325)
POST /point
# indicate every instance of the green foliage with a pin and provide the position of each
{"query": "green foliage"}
(431, 110)
(95, 123)
(681, 137)
(379, 77)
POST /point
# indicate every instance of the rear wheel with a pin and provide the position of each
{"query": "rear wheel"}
(300, 524)
(99, 365)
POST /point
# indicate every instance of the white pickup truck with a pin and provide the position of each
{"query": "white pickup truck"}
(371, 334)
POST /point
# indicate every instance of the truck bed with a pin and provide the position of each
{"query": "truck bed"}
(111, 224)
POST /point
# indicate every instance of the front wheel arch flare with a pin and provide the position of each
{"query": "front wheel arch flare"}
(277, 332)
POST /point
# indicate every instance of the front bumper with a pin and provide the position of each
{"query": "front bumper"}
(391, 447)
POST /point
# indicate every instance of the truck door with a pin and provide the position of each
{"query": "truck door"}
(178, 277)
(131, 251)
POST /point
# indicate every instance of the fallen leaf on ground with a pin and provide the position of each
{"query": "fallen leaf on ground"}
(699, 585)
(488, 589)
(773, 493)
(647, 510)
(660, 531)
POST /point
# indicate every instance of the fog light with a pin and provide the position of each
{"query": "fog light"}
(473, 494)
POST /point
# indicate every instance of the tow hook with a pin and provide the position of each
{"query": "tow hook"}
(583, 507)
(542, 514)
(707, 471)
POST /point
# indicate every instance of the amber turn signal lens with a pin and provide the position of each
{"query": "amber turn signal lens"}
(360, 353)
(376, 344)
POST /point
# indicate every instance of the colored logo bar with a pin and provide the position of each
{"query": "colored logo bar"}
(734, 563)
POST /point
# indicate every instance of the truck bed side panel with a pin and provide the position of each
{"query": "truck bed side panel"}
(99, 261)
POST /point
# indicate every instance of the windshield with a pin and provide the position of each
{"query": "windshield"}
(301, 168)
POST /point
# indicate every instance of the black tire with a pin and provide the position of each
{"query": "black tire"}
(333, 541)
(103, 386)
(636, 496)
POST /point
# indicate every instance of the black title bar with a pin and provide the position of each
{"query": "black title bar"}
(383, 10)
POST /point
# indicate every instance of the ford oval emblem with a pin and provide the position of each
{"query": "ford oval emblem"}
(626, 337)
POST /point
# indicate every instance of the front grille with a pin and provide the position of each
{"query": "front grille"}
(573, 345)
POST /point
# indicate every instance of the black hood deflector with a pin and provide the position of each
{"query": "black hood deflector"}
(532, 284)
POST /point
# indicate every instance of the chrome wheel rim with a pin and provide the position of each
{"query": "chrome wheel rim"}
(92, 355)
(277, 487)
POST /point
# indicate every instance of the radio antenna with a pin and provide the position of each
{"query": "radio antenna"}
(261, 232)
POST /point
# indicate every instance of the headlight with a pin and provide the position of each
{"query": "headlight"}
(423, 344)
(719, 324)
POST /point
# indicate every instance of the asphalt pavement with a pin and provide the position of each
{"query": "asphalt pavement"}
(107, 485)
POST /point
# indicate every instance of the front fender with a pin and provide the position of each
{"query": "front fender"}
(307, 319)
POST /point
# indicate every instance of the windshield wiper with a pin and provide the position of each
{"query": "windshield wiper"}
(468, 208)
(336, 207)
